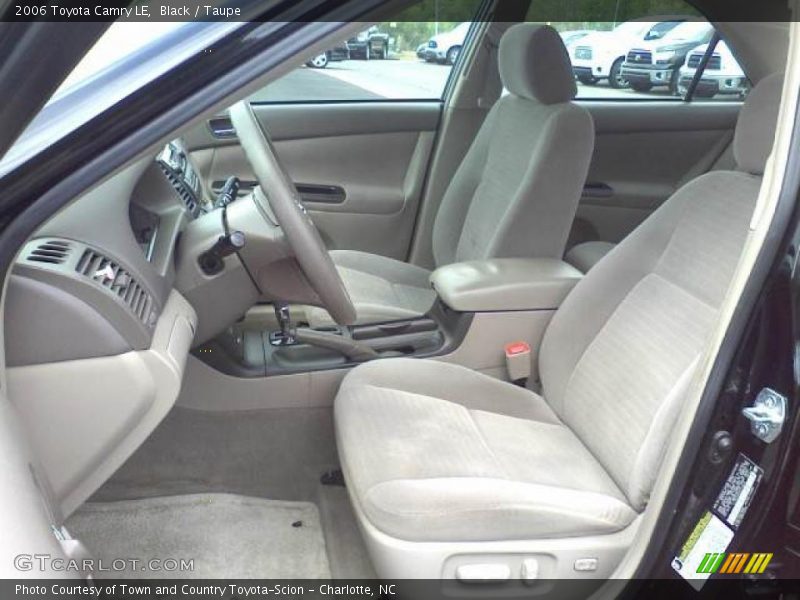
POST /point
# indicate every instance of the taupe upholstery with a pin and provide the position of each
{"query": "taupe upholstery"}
(438, 452)
(516, 191)
(586, 255)
(381, 288)
(535, 64)
(434, 452)
(751, 147)
(750, 150)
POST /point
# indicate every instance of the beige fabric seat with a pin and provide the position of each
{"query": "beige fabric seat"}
(458, 455)
(514, 194)
(381, 288)
(586, 255)
(437, 453)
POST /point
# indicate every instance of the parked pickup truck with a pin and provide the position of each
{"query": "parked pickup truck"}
(658, 63)
(600, 54)
(368, 44)
(722, 75)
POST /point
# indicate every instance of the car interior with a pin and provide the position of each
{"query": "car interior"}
(429, 339)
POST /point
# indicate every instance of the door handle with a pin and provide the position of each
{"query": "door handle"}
(309, 192)
(321, 194)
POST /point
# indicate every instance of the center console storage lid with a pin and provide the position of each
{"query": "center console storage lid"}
(505, 284)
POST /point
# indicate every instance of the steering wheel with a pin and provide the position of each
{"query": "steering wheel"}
(300, 231)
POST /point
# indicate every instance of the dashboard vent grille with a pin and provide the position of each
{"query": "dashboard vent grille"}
(54, 252)
(105, 272)
(186, 197)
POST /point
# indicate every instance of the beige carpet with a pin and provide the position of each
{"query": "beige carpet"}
(226, 535)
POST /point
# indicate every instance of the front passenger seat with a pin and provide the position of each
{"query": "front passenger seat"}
(447, 467)
(515, 193)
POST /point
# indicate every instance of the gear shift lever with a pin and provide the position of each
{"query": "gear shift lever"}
(289, 335)
(286, 335)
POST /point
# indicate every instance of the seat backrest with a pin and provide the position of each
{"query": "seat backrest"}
(619, 354)
(516, 191)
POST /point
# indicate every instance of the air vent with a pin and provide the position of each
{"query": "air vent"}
(110, 275)
(54, 252)
(186, 197)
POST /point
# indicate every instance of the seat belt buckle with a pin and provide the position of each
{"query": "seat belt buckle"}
(518, 362)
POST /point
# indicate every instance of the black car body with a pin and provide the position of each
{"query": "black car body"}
(336, 54)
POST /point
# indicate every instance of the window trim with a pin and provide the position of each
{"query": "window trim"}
(344, 101)
(467, 53)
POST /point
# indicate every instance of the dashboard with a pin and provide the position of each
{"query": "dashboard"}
(148, 205)
(181, 173)
(107, 298)
(102, 269)
(97, 335)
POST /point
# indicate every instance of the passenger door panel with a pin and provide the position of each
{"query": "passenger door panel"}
(644, 151)
(360, 166)
(372, 157)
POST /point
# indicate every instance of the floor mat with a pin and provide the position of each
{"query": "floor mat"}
(275, 454)
(226, 535)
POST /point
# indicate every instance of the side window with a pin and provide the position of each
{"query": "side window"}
(399, 60)
(721, 79)
(650, 57)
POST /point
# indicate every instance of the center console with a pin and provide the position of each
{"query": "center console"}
(482, 305)
(512, 300)
(505, 284)
(243, 352)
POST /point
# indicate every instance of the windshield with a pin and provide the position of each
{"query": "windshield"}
(121, 39)
(124, 59)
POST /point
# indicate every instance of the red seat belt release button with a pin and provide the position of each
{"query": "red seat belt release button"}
(518, 361)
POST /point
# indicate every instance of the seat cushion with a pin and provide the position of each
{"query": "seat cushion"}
(381, 288)
(437, 452)
(584, 256)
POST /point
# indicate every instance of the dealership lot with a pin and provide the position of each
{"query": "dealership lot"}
(392, 79)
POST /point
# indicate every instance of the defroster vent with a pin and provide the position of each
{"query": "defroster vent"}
(54, 252)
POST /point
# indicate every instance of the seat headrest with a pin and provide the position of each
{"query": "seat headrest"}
(755, 129)
(534, 64)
